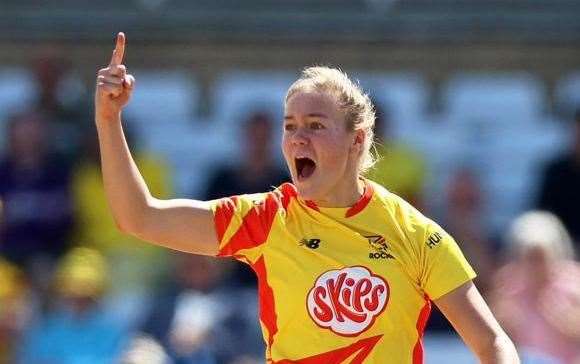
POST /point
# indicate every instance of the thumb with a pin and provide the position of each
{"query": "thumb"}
(129, 82)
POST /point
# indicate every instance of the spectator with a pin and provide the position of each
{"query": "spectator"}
(191, 316)
(35, 189)
(76, 329)
(135, 265)
(62, 99)
(536, 295)
(465, 220)
(559, 190)
(399, 167)
(256, 172)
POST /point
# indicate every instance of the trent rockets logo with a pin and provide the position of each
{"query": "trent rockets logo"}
(347, 301)
(380, 247)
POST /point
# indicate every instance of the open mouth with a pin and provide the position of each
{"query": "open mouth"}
(304, 167)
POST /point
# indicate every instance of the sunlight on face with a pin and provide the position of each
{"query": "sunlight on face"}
(318, 149)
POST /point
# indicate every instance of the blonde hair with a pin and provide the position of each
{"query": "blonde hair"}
(540, 229)
(358, 109)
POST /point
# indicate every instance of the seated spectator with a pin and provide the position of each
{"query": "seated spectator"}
(536, 296)
(136, 266)
(63, 100)
(194, 316)
(35, 190)
(76, 329)
(399, 167)
(559, 189)
(465, 221)
(257, 172)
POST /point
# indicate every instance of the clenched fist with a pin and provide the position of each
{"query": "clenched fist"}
(114, 85)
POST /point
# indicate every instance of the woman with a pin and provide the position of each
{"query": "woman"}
(536, 295)
(347, 271)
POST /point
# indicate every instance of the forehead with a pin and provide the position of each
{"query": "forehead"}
(309, 102)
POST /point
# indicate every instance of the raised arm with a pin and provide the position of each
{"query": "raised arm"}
(185, 225)
(470, 316)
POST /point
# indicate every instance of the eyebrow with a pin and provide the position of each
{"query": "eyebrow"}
(311, 115)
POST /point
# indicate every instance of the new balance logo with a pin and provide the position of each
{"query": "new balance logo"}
(310, 243)
(380, 247)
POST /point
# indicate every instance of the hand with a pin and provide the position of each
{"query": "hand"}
(114, 85)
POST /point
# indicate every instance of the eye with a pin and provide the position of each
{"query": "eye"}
(289, 127)
(315, 125)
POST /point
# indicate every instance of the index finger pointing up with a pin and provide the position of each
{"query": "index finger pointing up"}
(119, 51)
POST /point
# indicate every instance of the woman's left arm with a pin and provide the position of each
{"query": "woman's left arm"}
(471, 317)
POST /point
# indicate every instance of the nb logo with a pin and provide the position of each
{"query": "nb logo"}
(310, 243)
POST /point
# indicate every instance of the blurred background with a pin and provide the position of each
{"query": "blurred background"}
(479, 124)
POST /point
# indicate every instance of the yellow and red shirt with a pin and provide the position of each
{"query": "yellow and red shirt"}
(340, 285)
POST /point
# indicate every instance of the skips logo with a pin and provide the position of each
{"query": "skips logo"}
(347, 301)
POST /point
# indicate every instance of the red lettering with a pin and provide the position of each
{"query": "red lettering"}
(362, 288)
(339, 308)
(347, 293)
(347, 296)
(372, 303)
(353, 316)
(322, 311)
(334, 289)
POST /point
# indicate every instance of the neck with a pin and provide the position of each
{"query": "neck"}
(343, 195)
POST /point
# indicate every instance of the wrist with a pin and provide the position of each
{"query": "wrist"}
(103, 119)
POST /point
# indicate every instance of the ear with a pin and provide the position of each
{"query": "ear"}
(359, 139)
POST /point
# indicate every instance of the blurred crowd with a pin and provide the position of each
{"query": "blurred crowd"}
(73, 289)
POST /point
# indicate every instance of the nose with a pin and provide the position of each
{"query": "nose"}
(299, 137)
